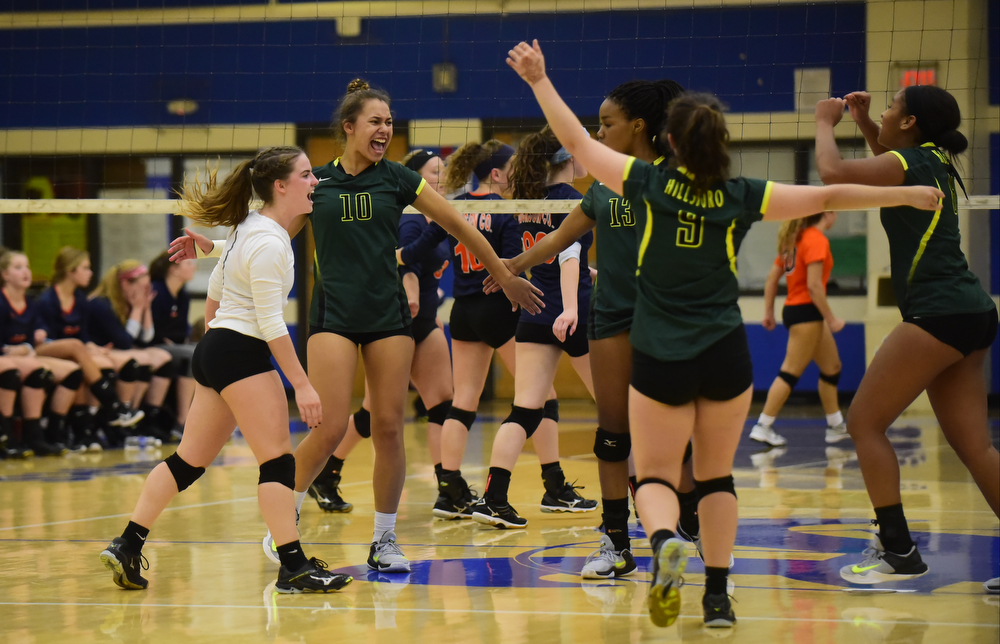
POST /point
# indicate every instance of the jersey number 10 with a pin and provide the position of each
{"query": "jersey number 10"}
(362, 207)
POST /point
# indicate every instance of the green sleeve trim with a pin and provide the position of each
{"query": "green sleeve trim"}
(766, 201)
(901, 158)
(926, 238)
(423, 182)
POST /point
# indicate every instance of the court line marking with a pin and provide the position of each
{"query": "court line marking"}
(480, 612)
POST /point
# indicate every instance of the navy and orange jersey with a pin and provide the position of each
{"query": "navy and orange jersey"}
(105, 328)
(18, 327)
(170, 314)
(812, 247)
(59, 323)
(534, 227)
(428, 267)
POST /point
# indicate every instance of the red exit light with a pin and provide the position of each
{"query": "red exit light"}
(913, 77)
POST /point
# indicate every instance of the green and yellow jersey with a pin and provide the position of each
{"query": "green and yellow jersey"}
(686, 287)
(356, 222)
(930, 275)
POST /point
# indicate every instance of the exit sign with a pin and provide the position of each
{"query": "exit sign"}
(911, 77)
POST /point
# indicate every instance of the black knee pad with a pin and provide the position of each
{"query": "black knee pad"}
(612, 447)
(528, 419)
(363, 422)
(833, 380)
(688, 452)
(10, 380)
(462, 416)
(184, 473)
(40, 378)
(129, 371)
(551, 410)
(789, 378)
(73, 380)
(279, 470)
(438, 413)
(639, 484)
(711, 486)
(168, 371)
(144, 373)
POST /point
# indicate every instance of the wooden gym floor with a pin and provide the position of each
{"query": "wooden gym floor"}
(803, 514)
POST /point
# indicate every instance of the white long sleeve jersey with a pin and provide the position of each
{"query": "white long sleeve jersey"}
(252, 280)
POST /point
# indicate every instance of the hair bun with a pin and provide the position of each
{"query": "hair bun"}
(357, 85)
(953, 141)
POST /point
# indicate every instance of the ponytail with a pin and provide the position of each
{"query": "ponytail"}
(696, 123)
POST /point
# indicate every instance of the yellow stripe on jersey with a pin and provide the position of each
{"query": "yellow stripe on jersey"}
(767, 198)
(730, 247)
(645, 235)
(926, 238)
(423, 182)
(901, 159)
(316, 265)
(659, 160)
(628, 168)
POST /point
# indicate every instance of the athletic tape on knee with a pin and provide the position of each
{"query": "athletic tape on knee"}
(73, 380)
(551, 410)
(363, 422)
(184, 473)
(39, 378)
(711, 486)
(128, 372)
(144, 373)
(279, 470)
(168, 370)
(789, 378)
(833, 380)
(640, 483)
(688, 452)
(612, 447)
(438, 413)
(10, 380)
(467, 418)
(528, 419)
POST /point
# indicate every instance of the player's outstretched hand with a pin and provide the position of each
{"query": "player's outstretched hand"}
(923, 197)
(830, 110)
(528, 61)
(523, 293)
(183, 247)
(491, 285)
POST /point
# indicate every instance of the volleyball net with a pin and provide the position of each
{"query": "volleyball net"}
(107, 108)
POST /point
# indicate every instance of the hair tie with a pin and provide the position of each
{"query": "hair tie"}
(419, 159)
(498, 159)
(132, 274)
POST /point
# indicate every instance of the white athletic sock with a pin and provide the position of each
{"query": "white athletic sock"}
(383, 523)
(766, 420)
(299, 498)
(834, 419)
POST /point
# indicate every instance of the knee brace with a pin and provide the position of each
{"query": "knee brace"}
(168, 371)
(462, 416)
(833, 379)
(668, 484)
(144, 373)
(789, 378)
(711, 486)
(612, 447)
(10, 380)
(528, 419)
(363, 422)
(184, 473)
(688, 452)
(40, 378)
(551, 410)
(279, 470)
(438, 413)
(128, 372)
(73, 380)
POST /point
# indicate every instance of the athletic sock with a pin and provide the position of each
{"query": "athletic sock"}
(497, 485)
(291, 556)
(766, 420)
(299, 498)
(715, 580)
(616, 522)
(135, 535)
(892, 529)
(834, 419)
(658, 538)
(384, 522)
